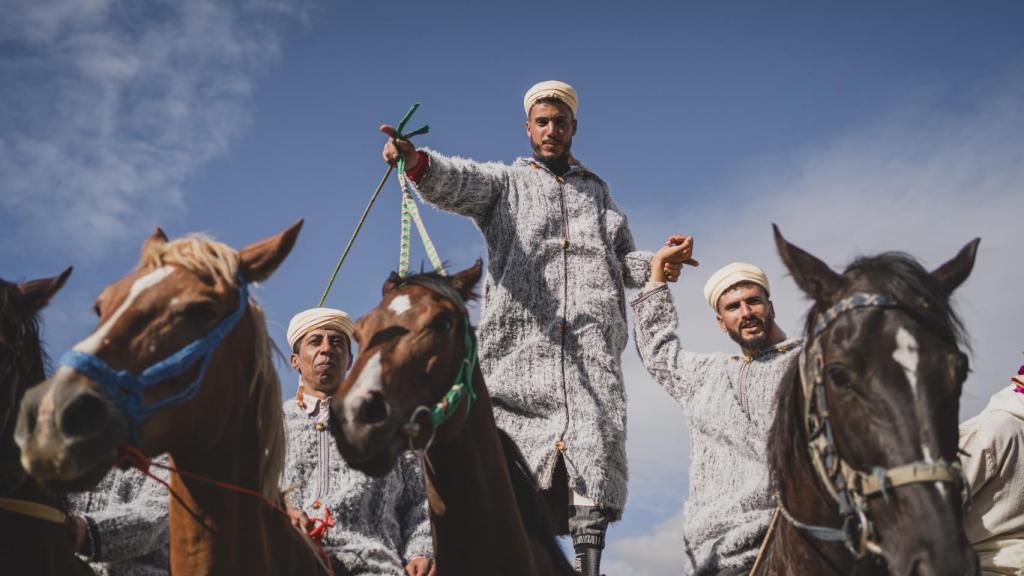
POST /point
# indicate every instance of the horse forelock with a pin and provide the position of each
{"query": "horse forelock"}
(196, 253)
(440, 285)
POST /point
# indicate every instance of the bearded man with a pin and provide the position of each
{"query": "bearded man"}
(380, 525)
(553, 321)
(730, 403)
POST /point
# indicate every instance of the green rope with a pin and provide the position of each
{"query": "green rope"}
(411, 213)
(463, 387)
(399, 135)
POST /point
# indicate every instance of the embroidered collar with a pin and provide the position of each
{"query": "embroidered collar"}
(313, 407)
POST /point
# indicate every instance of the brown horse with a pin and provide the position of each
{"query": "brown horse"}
(217, 414)
(864, 445)
(36, 537)
(416, 384)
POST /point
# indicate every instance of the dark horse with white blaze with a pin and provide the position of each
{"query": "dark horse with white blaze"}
(863, 450)
(36, 539)
(181, 363)
(416, 384)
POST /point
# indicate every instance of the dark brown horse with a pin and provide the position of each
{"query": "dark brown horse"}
(864, 446)
(416, 383)
(36, 537)
(181, 363)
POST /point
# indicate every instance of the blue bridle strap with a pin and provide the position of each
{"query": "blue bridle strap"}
(126, 389)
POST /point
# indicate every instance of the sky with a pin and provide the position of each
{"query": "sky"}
(857, 128)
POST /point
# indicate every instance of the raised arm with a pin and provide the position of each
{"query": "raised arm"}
(454, 184)
(678, 371)
(636, 269)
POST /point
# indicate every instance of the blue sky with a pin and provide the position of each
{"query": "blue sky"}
(858, 128)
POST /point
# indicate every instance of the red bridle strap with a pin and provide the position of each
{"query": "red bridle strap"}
(133, 457)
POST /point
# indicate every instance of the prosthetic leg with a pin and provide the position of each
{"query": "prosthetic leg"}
(587, 525)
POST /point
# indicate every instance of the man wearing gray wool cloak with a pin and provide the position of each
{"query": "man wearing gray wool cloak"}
(553, 320)
(729, 400)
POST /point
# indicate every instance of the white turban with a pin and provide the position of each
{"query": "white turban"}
(551, 89)
(308, 320)
(730, 276)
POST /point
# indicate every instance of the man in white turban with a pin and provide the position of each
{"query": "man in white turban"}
(730, 403)
(319, 486)
(553, 321)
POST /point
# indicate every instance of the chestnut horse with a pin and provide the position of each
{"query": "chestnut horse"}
(35, 539)
(863, 450)
(416, 384)
(181, 363)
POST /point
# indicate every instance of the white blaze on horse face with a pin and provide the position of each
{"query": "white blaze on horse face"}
(91, 344)
(400, 305)
(906, 355)
(368, 382)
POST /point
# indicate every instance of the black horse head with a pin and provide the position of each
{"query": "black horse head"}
(22, 361)
(877, 395)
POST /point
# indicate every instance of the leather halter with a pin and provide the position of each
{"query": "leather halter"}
(849, 487)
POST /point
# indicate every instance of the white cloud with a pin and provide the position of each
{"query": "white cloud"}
(109, 107)
(922, 179)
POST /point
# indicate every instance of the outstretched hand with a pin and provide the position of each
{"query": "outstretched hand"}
(393, 147)
(667, 263)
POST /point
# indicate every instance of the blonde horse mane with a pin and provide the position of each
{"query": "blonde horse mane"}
(219, 262)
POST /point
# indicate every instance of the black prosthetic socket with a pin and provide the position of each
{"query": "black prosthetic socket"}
(588, 560)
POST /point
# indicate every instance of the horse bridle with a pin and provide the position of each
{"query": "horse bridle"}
(125, 389)
(444, 409)
(851, 488)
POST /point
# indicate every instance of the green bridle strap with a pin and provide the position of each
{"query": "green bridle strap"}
(463, 387)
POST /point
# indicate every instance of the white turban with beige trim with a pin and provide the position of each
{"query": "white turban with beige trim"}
(308, 320)
(731, 275)
(551, 89)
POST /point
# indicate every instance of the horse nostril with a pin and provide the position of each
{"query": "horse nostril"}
(373, 409)
(80, 416)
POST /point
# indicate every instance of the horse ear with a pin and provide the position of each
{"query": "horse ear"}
(391, 283)
(37, 293)
(157, 238)
(260, 259)
(813, 276)
(953, 273)
(464, 282)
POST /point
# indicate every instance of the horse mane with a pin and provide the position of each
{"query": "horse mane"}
(894, 274)
(901, 277)
(532, 507)
(219, 262)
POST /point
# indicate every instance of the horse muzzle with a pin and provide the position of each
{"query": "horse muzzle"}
(68, 432)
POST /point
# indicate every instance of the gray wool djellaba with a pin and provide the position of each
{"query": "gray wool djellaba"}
(127, 515)
(729, 401)
(553, 319)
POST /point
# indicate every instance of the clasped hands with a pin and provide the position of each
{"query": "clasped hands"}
(667, 263)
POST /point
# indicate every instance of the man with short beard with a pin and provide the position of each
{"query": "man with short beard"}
(553, 320)
(730, 403)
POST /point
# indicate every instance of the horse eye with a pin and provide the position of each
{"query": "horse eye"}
(838, 375)
(443, 323)
(961, 366)
(200, 311)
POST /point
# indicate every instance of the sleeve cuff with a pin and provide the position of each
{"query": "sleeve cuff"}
(423, 162)
(650, 289)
